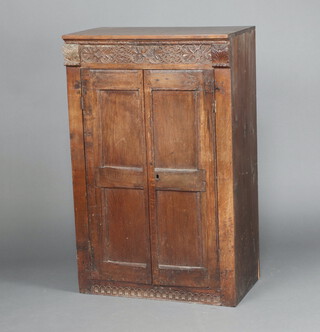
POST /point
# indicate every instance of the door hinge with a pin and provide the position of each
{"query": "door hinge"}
(213, 96)
(214, 106)
(82, 102)
(82, 93)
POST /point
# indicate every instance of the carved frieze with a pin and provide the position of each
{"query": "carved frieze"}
(156, 293)
(150, 54)
(216, 54)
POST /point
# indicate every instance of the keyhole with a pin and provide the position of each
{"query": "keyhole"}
(157, 177)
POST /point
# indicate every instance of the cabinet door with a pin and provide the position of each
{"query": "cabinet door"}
(115, 150)
(180, 138)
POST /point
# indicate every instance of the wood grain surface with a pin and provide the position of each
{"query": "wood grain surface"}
(164, 162)
(109, 33)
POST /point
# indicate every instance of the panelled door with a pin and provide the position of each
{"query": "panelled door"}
(178, 106)
(150, 175)
(115, 150)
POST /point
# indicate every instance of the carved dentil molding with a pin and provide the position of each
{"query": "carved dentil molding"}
(155, 293)
(71, 54)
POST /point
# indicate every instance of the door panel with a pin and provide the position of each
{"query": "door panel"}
(181, 176)
(124, 240)
(124, 209)
(117, 178)
(179, 237)
(179, 243)
(121, 127)
(175, 128)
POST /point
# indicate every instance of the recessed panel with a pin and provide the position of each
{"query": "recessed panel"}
(121, 128)
(125, 226)
(175, 128)
(178, 224)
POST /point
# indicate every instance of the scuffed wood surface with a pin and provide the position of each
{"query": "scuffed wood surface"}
(244, 142)
(78, 174)
(164, 162)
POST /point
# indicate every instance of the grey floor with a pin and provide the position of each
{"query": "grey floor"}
(43, 297)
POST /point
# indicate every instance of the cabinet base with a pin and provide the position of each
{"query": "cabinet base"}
(154, 292)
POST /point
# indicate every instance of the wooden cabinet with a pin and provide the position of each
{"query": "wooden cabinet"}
(163, 145)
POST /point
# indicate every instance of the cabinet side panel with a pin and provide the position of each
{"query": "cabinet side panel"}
(245, 161)
(78, 174)
(224, 148)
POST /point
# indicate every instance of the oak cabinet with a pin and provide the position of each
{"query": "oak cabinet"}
(163, 146)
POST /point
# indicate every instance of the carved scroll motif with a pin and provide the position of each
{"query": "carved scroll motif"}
(71, 54)
(216, 54)
(156, 293)
(151, 54)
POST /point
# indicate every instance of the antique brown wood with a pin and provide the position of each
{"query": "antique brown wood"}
(163, 144)
(157, 33)
(180, 154)
(78, 175)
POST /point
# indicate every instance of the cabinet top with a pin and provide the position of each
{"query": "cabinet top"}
(163, 33)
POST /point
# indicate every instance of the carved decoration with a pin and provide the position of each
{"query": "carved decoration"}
(220, 55)
(71, 54)
(197, 53)
(156, 293)
(151, 54)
